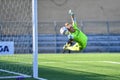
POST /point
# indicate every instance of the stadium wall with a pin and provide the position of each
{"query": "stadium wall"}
(16, 17)
(95, 10)
(51, 43)
(57, 10)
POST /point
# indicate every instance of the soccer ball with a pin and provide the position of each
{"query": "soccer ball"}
(63, 31)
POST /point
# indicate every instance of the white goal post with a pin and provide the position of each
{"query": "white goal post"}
(19, 24)
(35, 38)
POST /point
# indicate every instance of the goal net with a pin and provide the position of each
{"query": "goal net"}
(16, 27)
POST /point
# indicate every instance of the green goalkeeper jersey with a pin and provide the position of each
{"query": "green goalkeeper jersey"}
(79, 36)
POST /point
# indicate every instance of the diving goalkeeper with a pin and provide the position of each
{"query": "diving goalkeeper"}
(74, 35)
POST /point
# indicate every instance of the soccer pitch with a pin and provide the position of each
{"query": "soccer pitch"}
(82, 66)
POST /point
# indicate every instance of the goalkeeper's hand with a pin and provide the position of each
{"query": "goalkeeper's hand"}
(65, 46)
(70, 12)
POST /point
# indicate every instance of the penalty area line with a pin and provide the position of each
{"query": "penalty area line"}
(50, 62)
(112, 62)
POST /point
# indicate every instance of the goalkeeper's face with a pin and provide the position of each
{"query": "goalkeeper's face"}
(69, 27)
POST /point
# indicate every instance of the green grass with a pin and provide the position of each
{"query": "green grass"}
(86, 66)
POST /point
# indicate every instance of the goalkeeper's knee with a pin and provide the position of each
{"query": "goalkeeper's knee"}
(73, 48)
(76, 45)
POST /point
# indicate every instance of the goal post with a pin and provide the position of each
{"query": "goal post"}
(35, 38)
(18, 24)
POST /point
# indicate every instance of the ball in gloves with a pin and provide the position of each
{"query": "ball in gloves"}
(64, 31)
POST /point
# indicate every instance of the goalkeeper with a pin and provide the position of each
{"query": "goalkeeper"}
(74, 34)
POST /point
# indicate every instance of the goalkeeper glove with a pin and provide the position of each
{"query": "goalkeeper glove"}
(70, 12)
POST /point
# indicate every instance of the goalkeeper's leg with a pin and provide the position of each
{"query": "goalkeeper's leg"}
(66, 45)
(75, 47)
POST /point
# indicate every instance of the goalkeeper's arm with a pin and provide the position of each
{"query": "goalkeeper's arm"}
(74, 22)
(72, 16)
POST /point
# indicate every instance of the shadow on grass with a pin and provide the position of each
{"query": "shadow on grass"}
(55, 73)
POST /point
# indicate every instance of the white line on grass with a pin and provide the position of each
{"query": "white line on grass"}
(20, 75)
(50, 62)
(112, 62)
(7, 77)
(11, 72)
(70, 61)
